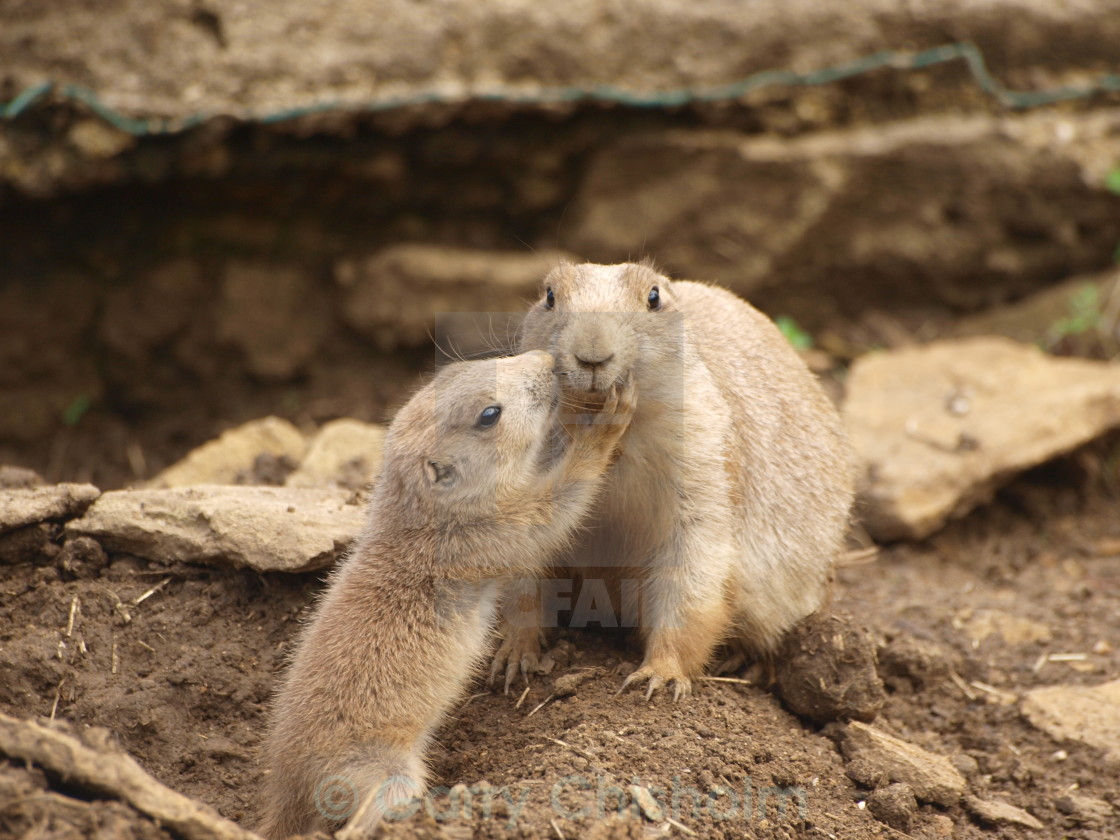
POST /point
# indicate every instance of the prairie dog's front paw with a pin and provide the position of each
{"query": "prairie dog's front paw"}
(659, 674)
(520, 650)
(619, 407)
(602, 428)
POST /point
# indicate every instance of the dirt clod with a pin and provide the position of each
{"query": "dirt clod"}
(826, 671)
(894, 805)
(82, 557)
(907, 663)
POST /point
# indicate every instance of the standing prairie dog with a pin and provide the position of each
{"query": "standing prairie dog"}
(732, 493)
(472, 491)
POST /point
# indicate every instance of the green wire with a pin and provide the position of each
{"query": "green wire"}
(965, 51)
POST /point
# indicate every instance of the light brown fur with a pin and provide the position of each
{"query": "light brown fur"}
(408, 614)
(732, 494)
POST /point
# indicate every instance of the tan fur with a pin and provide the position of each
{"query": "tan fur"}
(408, 614)
(732, 495)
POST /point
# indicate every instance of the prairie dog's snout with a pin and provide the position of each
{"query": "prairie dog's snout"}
(594, 350)
(534, 371)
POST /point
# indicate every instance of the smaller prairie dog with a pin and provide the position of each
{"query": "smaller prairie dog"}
(724, 514)
(472, 491)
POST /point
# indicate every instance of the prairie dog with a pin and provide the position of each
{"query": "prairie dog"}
(732, 494)
(472, 491)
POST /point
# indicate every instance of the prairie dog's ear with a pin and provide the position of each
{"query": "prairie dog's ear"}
(439, 474)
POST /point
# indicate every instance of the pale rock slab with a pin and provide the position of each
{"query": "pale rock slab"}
(222, 460)
(994, 812)
(265, 528)
(344, 453)
(1088, 715)
(28, 506)
(875, 758)
(940, 427)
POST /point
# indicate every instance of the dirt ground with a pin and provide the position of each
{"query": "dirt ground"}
(179, 663)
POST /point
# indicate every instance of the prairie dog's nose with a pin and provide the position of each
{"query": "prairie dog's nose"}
(593, 360)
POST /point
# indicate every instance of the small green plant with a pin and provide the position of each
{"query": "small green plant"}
(796, 336)
(77, 409)
(1112, 180)
(1083, 315)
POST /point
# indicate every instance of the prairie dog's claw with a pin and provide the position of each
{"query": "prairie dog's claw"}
(682, 685)
(518, 651)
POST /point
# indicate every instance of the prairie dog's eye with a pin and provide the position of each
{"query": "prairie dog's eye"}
(549, 298)
(654, 299)
(489, 416)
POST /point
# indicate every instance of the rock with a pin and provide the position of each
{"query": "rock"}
(265, 528)
(876, 757)
(407, 294)
(993, 812)
(274, 314)
(780, 218)
(646, 801)
(941, 427)
(344, 453)
(826, 671)
(38, 504)
(966, 764)
(894, 805)
(235, 454)
(1085, 809)
(1088, 715)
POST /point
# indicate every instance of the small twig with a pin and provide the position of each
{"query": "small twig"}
(139, 599)
(73, 612)
(575, 749)
(962, 685)
(1067, 657)
(680, 826)
(57, 697)
(521, 699)
(540, 705)
(472, 698)
(556, 828)
(735, 680)
(1004, 696)
(114, 660)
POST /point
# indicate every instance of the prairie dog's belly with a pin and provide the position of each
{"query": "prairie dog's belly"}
(641, 503)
